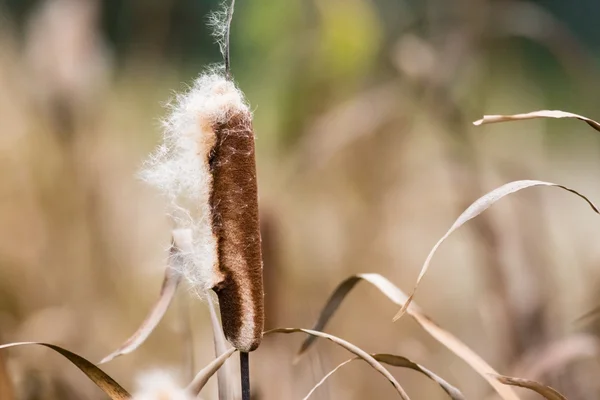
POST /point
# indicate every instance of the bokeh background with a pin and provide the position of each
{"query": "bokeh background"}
(366, 155)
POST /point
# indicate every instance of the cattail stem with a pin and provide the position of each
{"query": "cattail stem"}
(227, 34)
(245, 374)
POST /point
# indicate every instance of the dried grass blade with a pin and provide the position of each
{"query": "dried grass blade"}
(490, 119)
(546, 391)
(403, 362)
(186, 332)
(220, 344)
(398, 297)
(334, 301)
(322, 381)
(352, 349)
(96, 375)
(167, 293)
(479, 206)
(207, 372)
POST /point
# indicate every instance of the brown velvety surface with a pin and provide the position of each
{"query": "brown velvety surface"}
(234, 205)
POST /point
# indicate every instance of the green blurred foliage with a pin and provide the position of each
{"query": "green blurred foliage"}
(186, 38)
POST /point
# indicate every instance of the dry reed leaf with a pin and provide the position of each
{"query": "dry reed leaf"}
(96, 375)
(220, 343)
(479, 206)
(185, 335)
(398, 361)
(167, 293)
(205, 374)
(491, 119)
(322, 381)
(398, 297)
(403, 362)
(546, 391)
(181, 243)
(352, 349)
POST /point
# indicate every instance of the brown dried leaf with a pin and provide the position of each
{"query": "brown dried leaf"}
(352, 349)
(322, 381)
(398, 361)
(546, 391)
(186, 337)
(167, 293)
(96, 375)
(181, 243)
(479, 206)
(399, 298)
(490, 119)
(207, 372)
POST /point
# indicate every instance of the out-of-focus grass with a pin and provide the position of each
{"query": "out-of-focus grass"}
(345, 189)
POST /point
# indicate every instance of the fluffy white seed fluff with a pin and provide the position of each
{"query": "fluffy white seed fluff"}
(160, 385)
(179, 168)
(217, 20)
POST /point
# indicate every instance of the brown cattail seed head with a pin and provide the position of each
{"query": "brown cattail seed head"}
(236, 226)
(206, 168)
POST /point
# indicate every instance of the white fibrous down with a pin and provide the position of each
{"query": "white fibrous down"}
(160, 385)
(179, 169)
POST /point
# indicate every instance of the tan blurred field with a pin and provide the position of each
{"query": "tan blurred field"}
(366, 156)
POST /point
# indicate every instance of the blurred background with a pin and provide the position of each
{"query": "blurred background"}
(366, 155)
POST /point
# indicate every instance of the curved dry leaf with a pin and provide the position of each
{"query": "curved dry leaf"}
(403, 362)
(479, 206)
(491, 119)
(352, 349)
(322, 381)
(186, 337)
(398, 297)
(181, 242)
(546, 391)
(167, 293)
(96, 375)
(207, 372)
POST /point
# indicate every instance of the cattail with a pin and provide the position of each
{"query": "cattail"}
(236, 225)
(206, 168)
